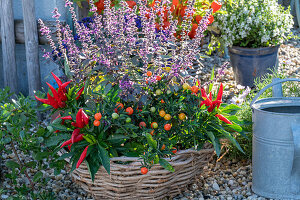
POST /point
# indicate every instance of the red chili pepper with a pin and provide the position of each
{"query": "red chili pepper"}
(66, 143)
(222, 118)
(67, 118)
(79, 93)
(59, 97)
(220, 93)
(82, 157)
(81, 119)
(79, 138)
(69, 147)
(74, 135)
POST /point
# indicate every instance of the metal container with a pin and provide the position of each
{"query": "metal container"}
(251, 63)
(276, 145)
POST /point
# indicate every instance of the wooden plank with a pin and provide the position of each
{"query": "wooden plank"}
(31, 46)
(19, 32)
(8, 45)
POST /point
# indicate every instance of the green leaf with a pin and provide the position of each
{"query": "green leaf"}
(6, 140)
(150, 140)
(104, 157)
(235, 127)
(117, 138)
(230, 108)
(107, 88)
(37, 176)
(215, 142)
(212, 78)
(93, 163)
(165, 164)
(60, 127)
(53, 141)
(12, 164)
(227, 135)
(66, 155)
(41, 155)
(31, 164)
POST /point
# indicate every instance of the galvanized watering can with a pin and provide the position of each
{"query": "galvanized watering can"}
(276, 144)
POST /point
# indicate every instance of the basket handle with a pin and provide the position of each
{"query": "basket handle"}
(270, 85)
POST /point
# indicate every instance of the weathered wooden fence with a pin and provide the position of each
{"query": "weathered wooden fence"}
(26, 32)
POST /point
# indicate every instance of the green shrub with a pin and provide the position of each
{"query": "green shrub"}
(20, 130)
(290, 89)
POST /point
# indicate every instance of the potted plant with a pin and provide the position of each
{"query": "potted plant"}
(253, 32)
(130, 108)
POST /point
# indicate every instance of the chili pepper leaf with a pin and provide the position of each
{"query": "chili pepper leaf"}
(227, 135)
(215, 142)
(117, 138)
(12, 164)
(37, 176)
(165, 164)
(104, 157)
(93, 161)
(60, 127)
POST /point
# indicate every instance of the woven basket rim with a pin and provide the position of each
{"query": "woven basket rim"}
(206, 149)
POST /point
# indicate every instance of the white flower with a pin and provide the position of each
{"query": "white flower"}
(240, 87)
(237, 101)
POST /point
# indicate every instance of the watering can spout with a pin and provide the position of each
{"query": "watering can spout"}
(295, 175)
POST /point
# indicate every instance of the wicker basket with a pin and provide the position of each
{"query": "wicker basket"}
(127, 182)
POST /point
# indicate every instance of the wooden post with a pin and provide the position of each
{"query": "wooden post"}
(8, 45)
(31, 46)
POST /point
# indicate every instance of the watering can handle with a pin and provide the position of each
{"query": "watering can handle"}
(270, 85)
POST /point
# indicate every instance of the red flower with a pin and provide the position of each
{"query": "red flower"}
(211, 19)
(216, 6)
(131, 4)
(81, 119)
(193, 32)
(222, 118)
(198, 18)
(82, 157)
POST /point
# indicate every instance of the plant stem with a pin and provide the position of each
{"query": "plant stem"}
(21, 165)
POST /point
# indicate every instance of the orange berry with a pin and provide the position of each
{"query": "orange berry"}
(149, 73)
(98, 116)
(129, 111)
(119, 107)
(162, 113)
(167, 117)
(142, 125)
(158, 78)
(96, 123)
(167, 127)
(174, 150)
(144, 170)
(163, 147)
(152, 132)
(162, 101)
(195, 89)
(154, 125)
(182, 116)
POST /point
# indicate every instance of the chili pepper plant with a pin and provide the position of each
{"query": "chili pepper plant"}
(174, 117)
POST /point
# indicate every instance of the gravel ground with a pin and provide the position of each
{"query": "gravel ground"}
(221, 180)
